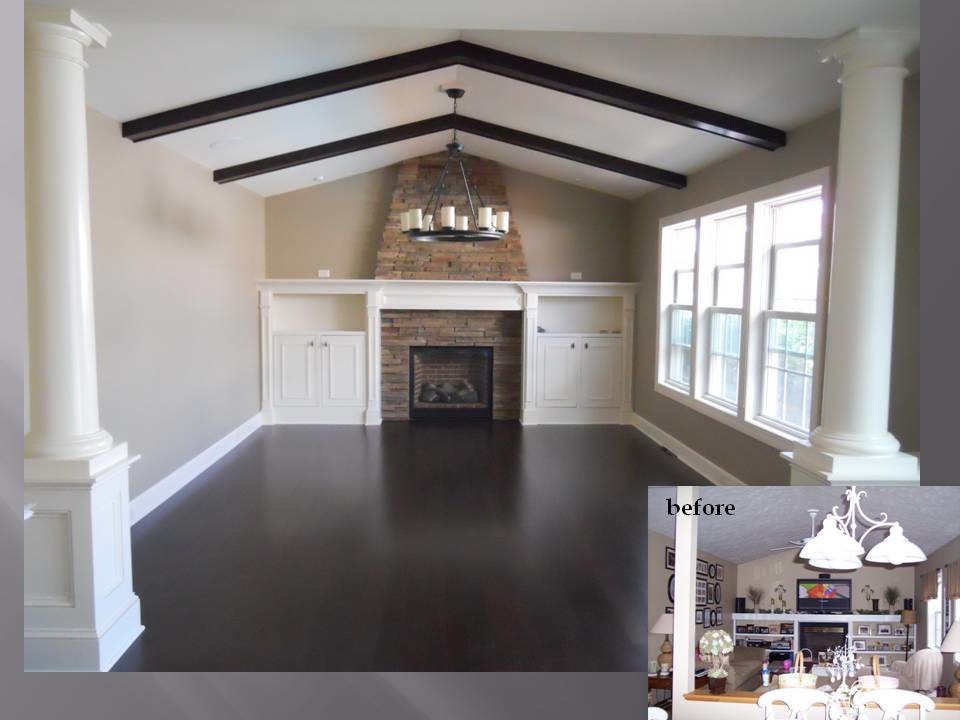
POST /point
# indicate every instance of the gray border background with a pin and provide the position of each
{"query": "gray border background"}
(421, 695)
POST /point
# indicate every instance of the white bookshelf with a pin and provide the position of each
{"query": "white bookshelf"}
(872, 640)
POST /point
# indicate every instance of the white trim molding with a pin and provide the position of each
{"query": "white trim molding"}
(685, 454)
(158, 493)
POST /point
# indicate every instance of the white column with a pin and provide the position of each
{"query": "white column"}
(80, 612)
(528, 389)
(853, 443)
(685, 631)
(373, 414)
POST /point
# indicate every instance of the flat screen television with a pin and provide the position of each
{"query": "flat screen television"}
(824, 595)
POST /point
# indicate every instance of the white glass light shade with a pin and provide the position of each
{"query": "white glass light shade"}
(895, 549)
(832, 549)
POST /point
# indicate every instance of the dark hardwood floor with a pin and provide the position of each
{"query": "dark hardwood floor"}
(414, 546)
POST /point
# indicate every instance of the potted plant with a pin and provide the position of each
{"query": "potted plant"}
(891, 595)
(716, 646)
(756, 595)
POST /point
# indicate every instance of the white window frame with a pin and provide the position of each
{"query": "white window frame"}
(758, 292)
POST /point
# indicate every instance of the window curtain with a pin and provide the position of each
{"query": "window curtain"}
(951, 580)
(928, 586)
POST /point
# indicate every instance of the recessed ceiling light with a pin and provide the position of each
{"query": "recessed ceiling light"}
(225, 142)
(317, 178)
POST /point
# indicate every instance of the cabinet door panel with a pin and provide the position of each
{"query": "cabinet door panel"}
(344, 363)
(601, 372)
(294, 369)
(557, 371)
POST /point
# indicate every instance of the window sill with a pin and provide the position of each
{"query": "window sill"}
(768, 435)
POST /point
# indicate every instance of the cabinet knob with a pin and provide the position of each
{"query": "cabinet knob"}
(310, 344)
(573, 345)
(586, 346)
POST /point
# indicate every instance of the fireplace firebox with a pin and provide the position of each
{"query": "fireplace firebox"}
(451, 382)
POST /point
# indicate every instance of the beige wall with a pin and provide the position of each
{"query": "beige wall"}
(338, 226)
(809, 147)
(783, 568)
(658, 578)
(947, 554)
(175, 257)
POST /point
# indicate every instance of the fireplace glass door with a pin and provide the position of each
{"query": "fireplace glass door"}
(451, 382)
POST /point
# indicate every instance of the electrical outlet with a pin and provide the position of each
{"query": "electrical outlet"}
(576, 276)
(323, 273)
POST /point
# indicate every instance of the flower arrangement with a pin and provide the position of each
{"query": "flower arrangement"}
(756, 595)
(715, 646)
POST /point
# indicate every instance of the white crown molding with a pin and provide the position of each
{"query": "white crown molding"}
(158, 493)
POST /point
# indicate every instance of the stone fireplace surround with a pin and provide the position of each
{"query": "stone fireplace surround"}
(401, 329)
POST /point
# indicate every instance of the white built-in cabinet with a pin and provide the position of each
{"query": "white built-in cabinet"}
(319, 370)
(579, 371)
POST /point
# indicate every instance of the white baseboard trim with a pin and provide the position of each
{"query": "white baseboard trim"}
(687, 455)
(149, 500)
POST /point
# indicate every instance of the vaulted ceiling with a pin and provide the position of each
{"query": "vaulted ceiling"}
(769, 517)
(166, 55)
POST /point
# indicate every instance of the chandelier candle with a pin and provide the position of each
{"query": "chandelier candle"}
(416, 219)
(428, 222)
(448, 215)
(503, 221)
(485, 218)
(404, 221)
(462, 223)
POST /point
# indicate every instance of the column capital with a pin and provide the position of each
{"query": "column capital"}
(65, 22)
(870, 47)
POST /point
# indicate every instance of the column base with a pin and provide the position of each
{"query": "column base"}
(81, 650)
(810, 466)
(84, 446)
(79, 609)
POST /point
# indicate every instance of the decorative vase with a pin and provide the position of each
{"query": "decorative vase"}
(717, 686)
(876, 604)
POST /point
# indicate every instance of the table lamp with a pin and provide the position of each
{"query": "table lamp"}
(951, 644)
(664, 626)
(908, 618)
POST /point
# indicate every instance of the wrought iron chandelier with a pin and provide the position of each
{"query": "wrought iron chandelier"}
(440, 223)
(837, 547)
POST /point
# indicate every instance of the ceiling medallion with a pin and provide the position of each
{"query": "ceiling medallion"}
(426, 225)
(837, 547)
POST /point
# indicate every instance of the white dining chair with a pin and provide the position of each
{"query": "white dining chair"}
(655, 713)
(892, 702)
(797, 700)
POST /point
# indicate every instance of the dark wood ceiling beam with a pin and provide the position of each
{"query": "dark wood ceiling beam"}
(457, 52)
(449, 122)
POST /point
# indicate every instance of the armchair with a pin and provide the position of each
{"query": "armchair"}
(921, 672)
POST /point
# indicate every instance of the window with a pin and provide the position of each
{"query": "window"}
(680, 259)
(741, 304)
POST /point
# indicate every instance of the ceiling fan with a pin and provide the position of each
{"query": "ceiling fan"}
(794, 544)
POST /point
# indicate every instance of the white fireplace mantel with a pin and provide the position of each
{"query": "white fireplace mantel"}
(520, 296)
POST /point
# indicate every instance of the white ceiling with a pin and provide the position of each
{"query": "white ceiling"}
(768, 517)
(164, 55)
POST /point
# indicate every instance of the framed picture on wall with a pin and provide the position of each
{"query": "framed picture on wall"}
(717, 593)
(699, 617)
(670, 587)
(701, 592)
(863, 630)
(711, 570)
(720, 572)
(882, 660)
(884, 629)
(701, 567)
(670, 559)
(709, 593)
(668, 610)
(859, 644)
(713, 618)
(706, 619)
(900, 630)
(719, 616)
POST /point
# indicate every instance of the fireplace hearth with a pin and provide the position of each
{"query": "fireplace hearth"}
(451, 382)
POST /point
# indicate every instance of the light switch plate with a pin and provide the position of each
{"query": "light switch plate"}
(323, 273)
(576, 276)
